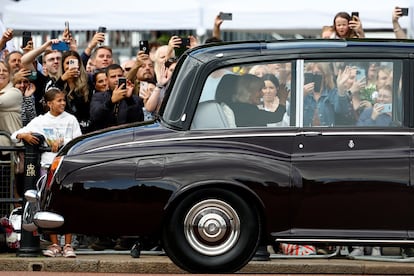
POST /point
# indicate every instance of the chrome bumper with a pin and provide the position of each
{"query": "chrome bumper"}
(33, 218)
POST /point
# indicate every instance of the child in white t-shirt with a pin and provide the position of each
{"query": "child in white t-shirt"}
(58, 127)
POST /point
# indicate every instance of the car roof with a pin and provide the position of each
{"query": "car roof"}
(204, 52)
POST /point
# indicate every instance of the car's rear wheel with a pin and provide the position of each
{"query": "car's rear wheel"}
(212, 231)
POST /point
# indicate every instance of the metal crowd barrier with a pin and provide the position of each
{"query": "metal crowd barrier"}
(30, 241)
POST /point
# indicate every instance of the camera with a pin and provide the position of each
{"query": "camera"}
(67, 25)
(404, 11)
(226, 16)
(122, 81)
(144, 46)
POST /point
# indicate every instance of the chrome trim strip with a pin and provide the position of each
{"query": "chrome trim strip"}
(345, 241)
(271, 134)
(300, 82)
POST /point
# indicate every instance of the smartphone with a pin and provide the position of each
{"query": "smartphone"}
(27, 36)
(387, 108)
(67, 25)
(317, 79)
(60, 46)
(404, 11)
(354, 14)
(32, 76)
(143, 86)
(360, 74)
(144, 46)
(185, 42)
(102, 29)
(308, 78)
(73, 63)
(122, 81)
(226, 16)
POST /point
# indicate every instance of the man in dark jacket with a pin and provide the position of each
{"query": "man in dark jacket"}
(116, 106)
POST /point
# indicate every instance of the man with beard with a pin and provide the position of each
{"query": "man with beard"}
(116, 106)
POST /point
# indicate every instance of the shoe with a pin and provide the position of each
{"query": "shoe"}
(68, 251)
(122, 244)
(102, 244)
(376, 251)
(53, 250)
(357, 251)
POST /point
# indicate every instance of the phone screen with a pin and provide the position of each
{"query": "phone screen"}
(387, 108)
(404, 11)
(360, 74)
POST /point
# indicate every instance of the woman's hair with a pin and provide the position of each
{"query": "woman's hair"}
(273, 79)
(81, 82)
(96, 73)
(328, 76)
(8, 69)
(5, 65)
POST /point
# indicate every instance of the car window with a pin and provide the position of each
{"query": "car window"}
(331, 93)
(254, 95)
(352, 93)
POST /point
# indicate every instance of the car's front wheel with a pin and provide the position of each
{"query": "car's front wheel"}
(212, 231)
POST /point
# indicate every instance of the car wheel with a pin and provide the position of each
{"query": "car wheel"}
(212, 231)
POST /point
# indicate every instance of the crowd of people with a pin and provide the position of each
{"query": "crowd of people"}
(63, 94)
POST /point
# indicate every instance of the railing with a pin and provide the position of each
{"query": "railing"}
(30, 241)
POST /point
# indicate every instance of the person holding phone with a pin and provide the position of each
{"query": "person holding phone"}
(118, 105)
(74, 81)
(347, 26)
(324, 104)
(398, 31)
(381, 113)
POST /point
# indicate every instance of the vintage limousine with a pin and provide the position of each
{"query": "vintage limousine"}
(236, 159)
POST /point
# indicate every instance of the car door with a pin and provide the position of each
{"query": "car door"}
(352, 178)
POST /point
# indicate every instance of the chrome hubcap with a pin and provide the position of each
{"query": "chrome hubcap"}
(212, 227)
